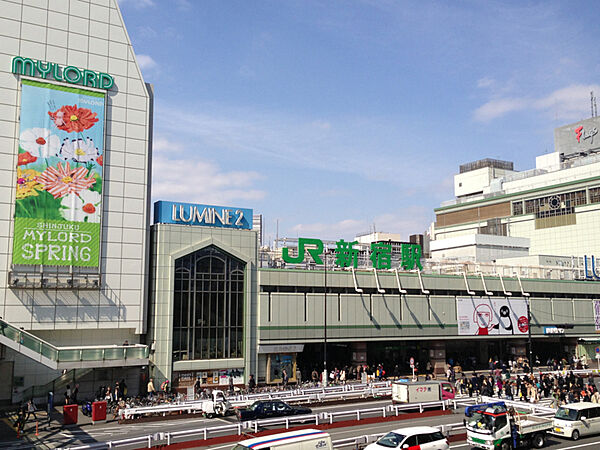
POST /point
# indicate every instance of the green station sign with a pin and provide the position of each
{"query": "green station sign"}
(68, 74)
(347, 256)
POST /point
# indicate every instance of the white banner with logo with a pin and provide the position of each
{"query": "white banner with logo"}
(482, 316)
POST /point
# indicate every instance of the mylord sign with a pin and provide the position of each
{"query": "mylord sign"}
(68, 74)
(202, 215)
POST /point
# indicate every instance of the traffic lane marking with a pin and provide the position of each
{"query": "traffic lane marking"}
(595, 444)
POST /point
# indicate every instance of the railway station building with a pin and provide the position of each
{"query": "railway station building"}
(93, 291)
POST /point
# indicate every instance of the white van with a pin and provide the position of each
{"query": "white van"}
(309, 439)
(577, 419)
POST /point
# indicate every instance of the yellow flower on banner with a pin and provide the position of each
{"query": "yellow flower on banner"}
(26, 184)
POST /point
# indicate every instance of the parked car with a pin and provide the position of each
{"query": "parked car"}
(264, 409)
(423, 438)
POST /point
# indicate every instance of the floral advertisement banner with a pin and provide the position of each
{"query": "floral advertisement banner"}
(59, 176)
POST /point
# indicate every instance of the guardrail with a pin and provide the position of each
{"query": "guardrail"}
(287, 422)
(311, 395)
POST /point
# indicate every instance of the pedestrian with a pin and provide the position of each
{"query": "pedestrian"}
(74, 394)
(251, 384)
(315, 376)
(68, 395)
(108, 396)
(231, 387)
(123, 388)
(30, 410)
(285, 378)
(150, 388)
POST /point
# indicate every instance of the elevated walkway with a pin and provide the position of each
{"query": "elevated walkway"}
(60, 358)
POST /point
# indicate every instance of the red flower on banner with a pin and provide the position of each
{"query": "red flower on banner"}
(61, 180)
(26, 158)
(72, 118)
(99, 160)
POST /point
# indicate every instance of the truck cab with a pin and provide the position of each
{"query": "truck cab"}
(493, 426)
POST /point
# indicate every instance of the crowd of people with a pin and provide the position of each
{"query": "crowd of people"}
(562, 387)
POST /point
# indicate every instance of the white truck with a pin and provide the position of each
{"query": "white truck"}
(217, 406)
(421, 391)
(493, 426)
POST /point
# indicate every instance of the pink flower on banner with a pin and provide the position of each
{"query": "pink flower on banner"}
(61, 180)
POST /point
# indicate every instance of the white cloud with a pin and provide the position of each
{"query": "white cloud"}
(485, 82)
(409, 221)
(197, 181)
(569, 103)
(337, 146)
(137, 4)
(145, 62)
(497, 108)
(162, 144)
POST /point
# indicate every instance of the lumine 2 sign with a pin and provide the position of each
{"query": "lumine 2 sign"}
(69, 74)
(202, 215)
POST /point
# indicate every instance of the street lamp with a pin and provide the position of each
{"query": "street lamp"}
(325, 322)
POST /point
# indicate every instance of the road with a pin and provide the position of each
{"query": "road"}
(114, 431)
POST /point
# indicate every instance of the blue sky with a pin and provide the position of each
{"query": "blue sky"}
(334, 117)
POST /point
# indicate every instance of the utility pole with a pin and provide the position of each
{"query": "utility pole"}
(325, 322)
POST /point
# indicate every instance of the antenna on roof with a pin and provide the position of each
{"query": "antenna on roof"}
(593, 104)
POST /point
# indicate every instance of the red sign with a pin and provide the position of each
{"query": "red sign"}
(523, 324)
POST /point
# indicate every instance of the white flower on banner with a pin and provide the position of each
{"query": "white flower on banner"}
(82, 207)
(79, 150)
(40, 142)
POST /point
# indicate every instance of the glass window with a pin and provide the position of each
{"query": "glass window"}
(566, 414)
(423, 438)
(411, 441)
(437, 436)
(391, 440)
(208, 305)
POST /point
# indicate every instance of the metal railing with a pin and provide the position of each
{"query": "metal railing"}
(52, 356)
(287, 422)
(310, 395)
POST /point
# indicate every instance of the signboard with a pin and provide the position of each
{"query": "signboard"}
(479, 316)
(578, 137)
(281, 348)
(554, 330)
(597, 315)
(69, 74)
(346, 254)
(59, 176)
(202, 215)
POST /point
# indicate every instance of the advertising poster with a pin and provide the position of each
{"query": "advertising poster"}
(478, 316)
(59, 176)
(597, 315)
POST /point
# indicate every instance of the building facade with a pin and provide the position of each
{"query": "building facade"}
(220, 309)
(75, 148)
(551, 210)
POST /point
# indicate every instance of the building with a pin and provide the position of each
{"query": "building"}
(552, 210)
(87, 286)
(219, 310)
(75, 142)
